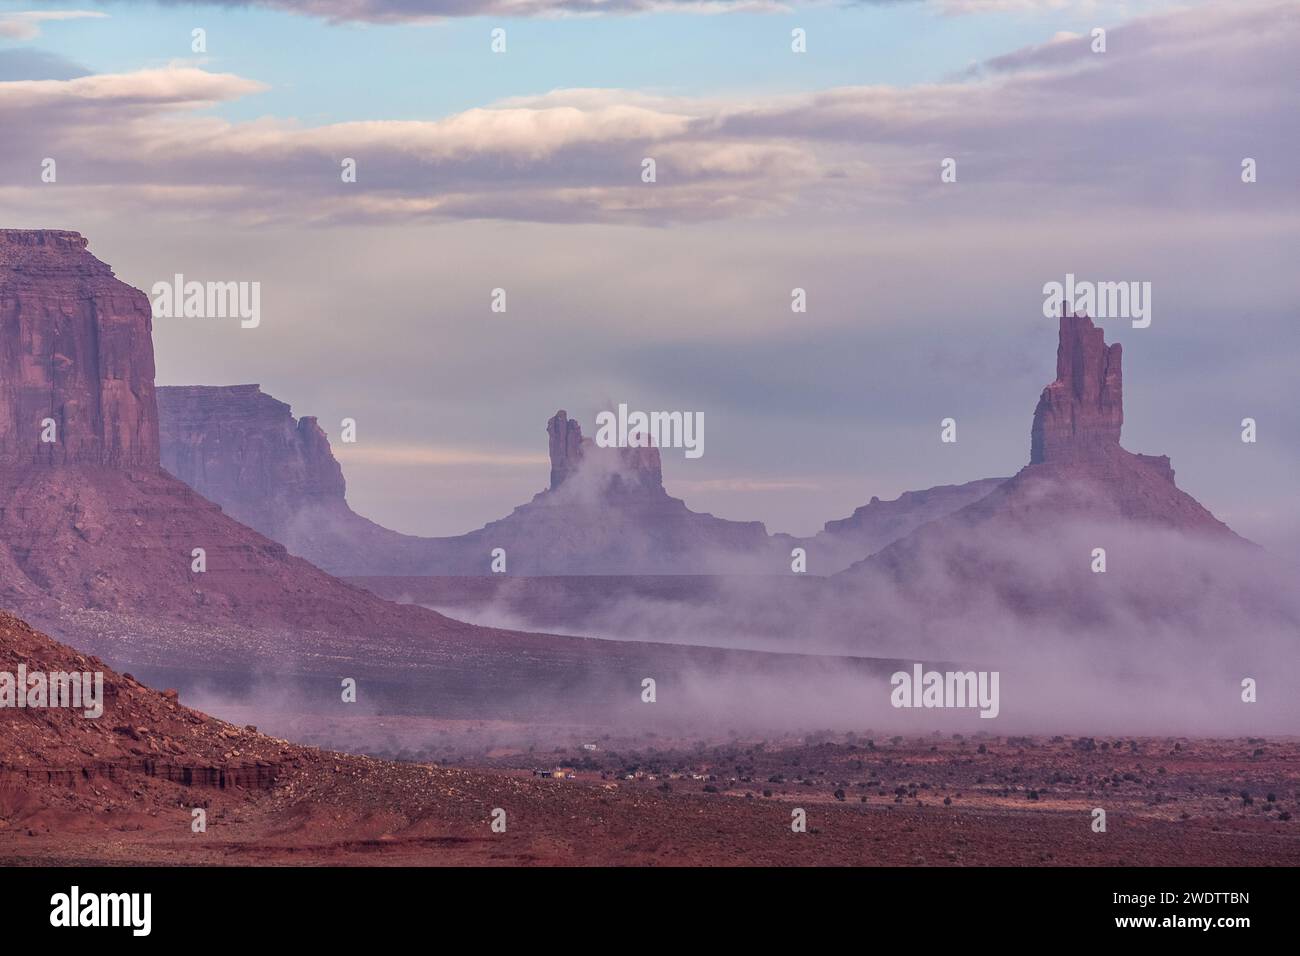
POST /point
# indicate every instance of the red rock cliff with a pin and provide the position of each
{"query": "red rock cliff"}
(75, 347)
(1081, 413)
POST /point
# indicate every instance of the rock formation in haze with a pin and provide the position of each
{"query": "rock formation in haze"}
(1077, 467)
(565, 447)
(632, 469)
(605, 511)
(1076, 463)
(1079, 416)
(878, 523)
(1029, 545)
(243, 449)
(1081, 413)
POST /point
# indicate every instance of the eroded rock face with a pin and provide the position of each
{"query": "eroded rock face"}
(242, 448)
(1081, 413)
(1076, 463)
(91, 521)
(75, 350)
(628, 469)
(565, 445)
(605, 510)
(1017, 547)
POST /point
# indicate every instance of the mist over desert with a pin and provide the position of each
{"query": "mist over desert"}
(649, 435)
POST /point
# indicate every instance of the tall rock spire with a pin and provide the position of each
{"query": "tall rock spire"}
(627, 469)
(1080, 414)
(566, 446)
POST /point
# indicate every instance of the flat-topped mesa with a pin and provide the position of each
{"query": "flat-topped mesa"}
(1080, 414)
(237, 445)
(76, 357)
(630, 469)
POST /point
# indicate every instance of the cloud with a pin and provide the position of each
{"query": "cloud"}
(1062, 49)
(139, 92)
(424, 11)
(26, 25)
(1041, 125)
(430, 11)
(546, 162)
(966, 7)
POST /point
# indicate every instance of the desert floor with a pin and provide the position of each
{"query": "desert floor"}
(943, 801)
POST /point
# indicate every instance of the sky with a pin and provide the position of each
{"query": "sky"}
(775, 170)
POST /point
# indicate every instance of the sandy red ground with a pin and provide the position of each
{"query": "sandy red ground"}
(1022, 802)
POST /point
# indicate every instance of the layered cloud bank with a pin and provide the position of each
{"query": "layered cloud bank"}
(422, 11)
(1058, 123)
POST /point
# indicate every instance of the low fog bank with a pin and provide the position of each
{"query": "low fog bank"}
(1166, 641)
(1160, 642)
(1036, 696)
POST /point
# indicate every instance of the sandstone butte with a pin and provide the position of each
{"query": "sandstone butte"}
(1079, 490)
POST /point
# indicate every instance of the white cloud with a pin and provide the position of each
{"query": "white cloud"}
(26, 25)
